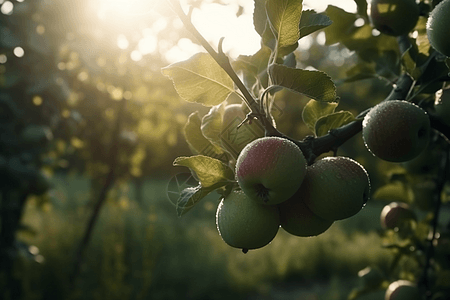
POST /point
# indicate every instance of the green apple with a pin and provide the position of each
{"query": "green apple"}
(396, 130)
(243, 223)
(442, 105)
(335, 188)
(437, 27)
(395, 214)
(270, 169)
(297, 219)
(234, 139)
(393, 17)
(402, 290)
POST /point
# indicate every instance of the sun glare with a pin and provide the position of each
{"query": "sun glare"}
(232, 20)
(127, 7)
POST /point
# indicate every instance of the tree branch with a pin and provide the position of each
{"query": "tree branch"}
(224, 63)
(109, 181)
(313, 147)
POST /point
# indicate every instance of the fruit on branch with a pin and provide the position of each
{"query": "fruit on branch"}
(393, 17)
(396, 130)
(438, 25)
(335, 188)
(297, 219)
(442, 103)
(244, 223)
(270, 169)
(235, 139)
(395, 215)
(402, 290)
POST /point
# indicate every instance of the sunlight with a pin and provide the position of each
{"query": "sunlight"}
(128, 7)
(232, 20)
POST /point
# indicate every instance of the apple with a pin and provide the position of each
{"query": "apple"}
(393, 17)
(396, 130)
(297, 219)
(245, 224)
(234, 139)
(442, 105)
(335, 188)
(270, 169)
(402, 290)
(395, 214)
(437, 26)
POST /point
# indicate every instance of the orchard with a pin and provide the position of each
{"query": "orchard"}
(288, 148)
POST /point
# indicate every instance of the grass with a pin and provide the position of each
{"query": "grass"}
(144, 251)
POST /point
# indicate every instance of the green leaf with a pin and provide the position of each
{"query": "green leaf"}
(253, 67)
(332, 121)
(253, 64)
(359, 39)
(410, 65)
(312, 21)
(357, 72)
(190, 196)
(197, 141)
(211, 126)
(200, 79)
(259, 16)
(314, 84)
(284, 17)
(342, 27)
(314, 110)
(209, 171)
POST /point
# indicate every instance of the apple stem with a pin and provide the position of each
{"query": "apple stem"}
(244, 250)
(262, 192)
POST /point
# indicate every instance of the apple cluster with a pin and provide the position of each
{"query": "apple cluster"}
(277, 188)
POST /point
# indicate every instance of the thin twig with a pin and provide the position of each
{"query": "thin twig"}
(225, 64)
(109, 181)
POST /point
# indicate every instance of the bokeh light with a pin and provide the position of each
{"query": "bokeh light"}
(19, 52)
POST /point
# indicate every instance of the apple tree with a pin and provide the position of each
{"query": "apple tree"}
(260, 172)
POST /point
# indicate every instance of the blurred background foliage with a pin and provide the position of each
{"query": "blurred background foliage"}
(88, 81)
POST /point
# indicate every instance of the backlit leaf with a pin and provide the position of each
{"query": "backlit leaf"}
(314, 110)
(190, 196)
(284, 17)
(209, 171)
(211, 126)
(197, 141)
(200, 79)
(312, 21)
(314, 84)
(332, 121)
